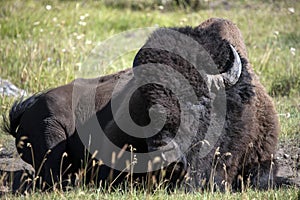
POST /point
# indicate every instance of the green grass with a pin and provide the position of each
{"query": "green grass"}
(41, 49)
(91, 194)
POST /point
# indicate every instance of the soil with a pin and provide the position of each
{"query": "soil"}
(287, 160)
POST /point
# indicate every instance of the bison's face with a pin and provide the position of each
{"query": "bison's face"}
(177, 70)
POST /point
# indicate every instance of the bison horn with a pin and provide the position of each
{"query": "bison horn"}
(230, 77)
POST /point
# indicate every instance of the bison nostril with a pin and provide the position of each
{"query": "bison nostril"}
(171, 152)
(184, 163)
(175, 172)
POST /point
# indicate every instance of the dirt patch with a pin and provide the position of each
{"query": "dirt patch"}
(288, 160)
(15, 174)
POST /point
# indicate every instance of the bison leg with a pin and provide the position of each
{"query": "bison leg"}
(55, 169)
(43, 147)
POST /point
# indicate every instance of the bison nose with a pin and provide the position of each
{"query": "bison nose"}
(183, 163)
(170, 154)
(177, 162)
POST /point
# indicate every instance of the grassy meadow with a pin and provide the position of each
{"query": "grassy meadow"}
(43, 43)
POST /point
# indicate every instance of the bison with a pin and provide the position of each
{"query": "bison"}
(191, 101)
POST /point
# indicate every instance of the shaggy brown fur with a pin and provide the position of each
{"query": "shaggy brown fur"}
(248, 141)
(262, 127)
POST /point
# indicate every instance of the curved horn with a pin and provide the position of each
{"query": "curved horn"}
(230, 77)
(233, 74)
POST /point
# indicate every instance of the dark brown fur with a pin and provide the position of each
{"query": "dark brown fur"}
(257, 146)
(48, 120)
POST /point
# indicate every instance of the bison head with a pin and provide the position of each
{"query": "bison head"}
(182, 72)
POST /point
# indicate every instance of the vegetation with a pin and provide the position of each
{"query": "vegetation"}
(91, 194)
(43, 44)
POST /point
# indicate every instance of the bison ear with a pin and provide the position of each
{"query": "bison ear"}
(231, 76)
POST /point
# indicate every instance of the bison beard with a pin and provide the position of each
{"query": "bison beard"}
(242, 154)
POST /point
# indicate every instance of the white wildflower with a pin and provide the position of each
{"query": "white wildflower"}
(78, 65)
(184, 19)
(79, 37)
(48, 7)
(82, 23)
(287, 115)
(82, 17)
(88, 42)
(291, 10)
(36, 23)
(293, 51)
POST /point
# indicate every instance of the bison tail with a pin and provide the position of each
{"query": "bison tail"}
(12, 122)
